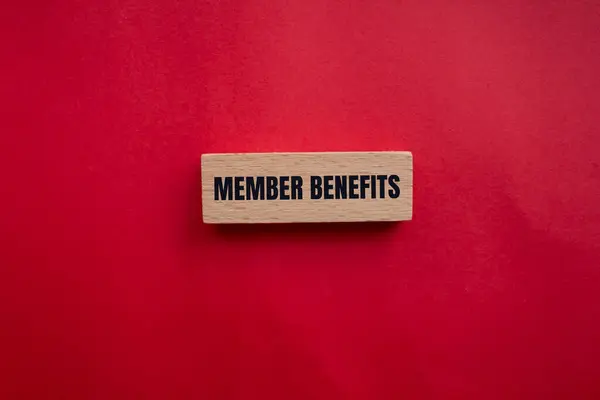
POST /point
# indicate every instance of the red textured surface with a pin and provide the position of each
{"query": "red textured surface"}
(111, 287)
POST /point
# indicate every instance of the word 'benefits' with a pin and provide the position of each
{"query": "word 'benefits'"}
(328, 187)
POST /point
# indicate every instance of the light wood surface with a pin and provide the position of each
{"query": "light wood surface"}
(317, 187)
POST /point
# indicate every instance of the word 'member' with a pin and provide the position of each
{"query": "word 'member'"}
(328, 187)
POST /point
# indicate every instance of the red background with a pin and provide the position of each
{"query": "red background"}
(111, 286)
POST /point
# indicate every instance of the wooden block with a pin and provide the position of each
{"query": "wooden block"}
(307, 187)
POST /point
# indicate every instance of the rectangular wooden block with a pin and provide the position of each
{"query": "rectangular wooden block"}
(307, 187)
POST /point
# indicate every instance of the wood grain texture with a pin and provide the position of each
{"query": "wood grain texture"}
(221, 205)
